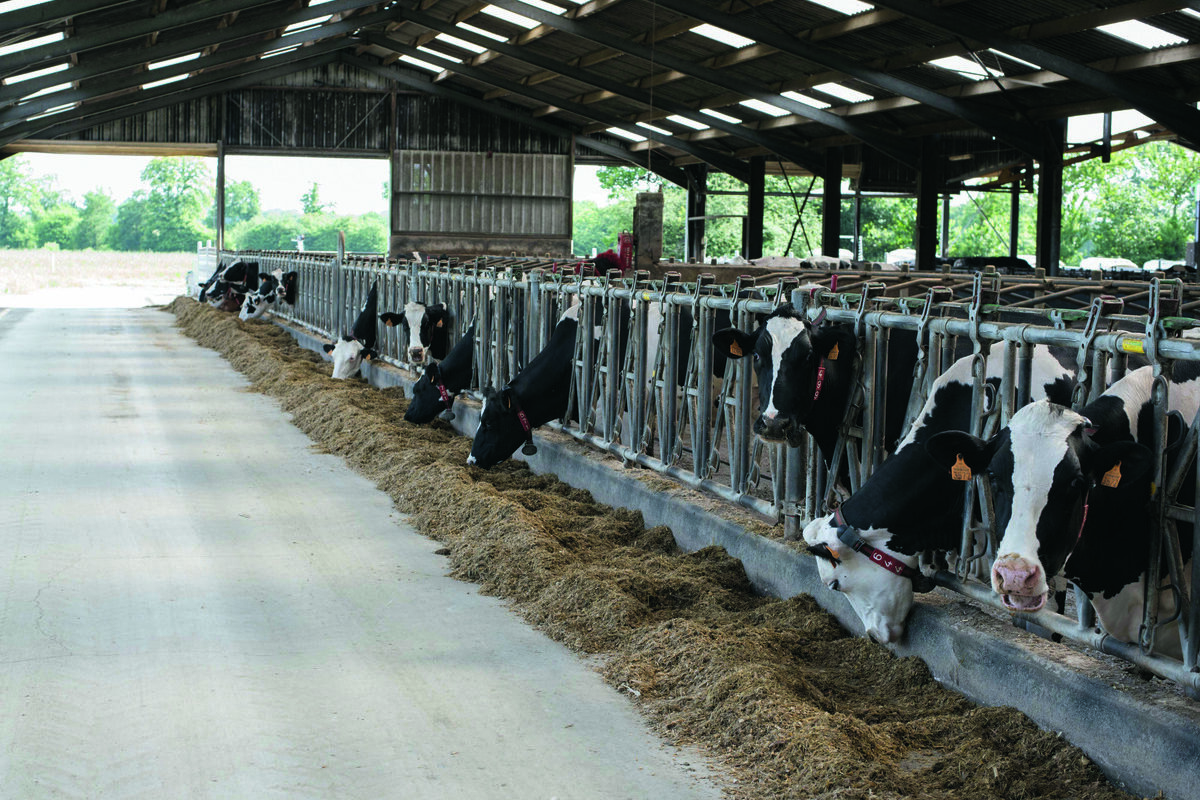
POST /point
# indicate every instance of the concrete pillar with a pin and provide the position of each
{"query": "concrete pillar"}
(831, 207)
(1049, 220)
(648, 228)
(929, 184)
(697, 205)
(752, 237)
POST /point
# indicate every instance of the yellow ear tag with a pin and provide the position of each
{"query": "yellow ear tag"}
(735, 349)
(388, 323)
(833, 354)
(439, 324)
(960, 471)
(834, 553)
(1112, 478)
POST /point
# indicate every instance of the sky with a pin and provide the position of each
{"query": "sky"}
(352, 185)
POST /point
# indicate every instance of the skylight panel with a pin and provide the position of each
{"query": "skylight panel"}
(28, 43)
(170, 62)
(13, 5)
(416, 62)
(765, 108)
(54, 110)
(164, 81)
(688, 123)
(305, 25)
(279, 52)
(37, 73)
(466, 26)
(1090, 127)
(440, 55)
(509, 16)
(1191, 12)
(48, 90)
(720, 116)
(721, 35)
(544, 6)
(1141, 34)
(961, 65)
(624, 134)
(808, 101)
(462, 43)
(847, 7)
(650, 127)
(844, 92)
(1011, 57)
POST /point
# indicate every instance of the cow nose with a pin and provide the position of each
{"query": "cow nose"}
(471, 460)
(772, 427)
(416, 354)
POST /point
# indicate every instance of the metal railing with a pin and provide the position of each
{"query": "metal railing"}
(626, 399)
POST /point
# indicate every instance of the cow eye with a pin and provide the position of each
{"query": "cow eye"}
(834, 585)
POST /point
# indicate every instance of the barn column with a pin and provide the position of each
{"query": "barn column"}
(1014, 220)
(929, 184)
(752, 237)
(831, 208)
(697, 204)
(1049, 218)
(945, 239)
(220, 195)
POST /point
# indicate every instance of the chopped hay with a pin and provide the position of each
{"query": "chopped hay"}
(788, 702)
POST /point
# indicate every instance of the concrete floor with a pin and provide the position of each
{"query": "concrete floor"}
(194, 604)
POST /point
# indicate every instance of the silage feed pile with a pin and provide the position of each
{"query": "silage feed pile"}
(788, 703)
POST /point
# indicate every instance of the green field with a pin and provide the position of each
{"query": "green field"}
(25, 271)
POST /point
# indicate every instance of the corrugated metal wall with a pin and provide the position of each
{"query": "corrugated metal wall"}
(193, 122)
(307, 119)
(425, 122)
(483, 193)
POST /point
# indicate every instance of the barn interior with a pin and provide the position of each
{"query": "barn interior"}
(484, 109)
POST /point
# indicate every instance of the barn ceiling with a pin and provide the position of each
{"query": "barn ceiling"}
(663, 83)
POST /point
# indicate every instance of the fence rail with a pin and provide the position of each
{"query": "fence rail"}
(626, 401)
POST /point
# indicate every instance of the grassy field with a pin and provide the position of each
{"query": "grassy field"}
(26, 271)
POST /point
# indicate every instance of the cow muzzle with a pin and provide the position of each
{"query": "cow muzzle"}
(416, 355)
(778, 429)
(1019, 583)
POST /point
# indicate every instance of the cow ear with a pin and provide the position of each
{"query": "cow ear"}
(390, 319)
(835, 342)
(948, 448)
(327, 348)
(368, 353)
(1118, 463)
(734, 343)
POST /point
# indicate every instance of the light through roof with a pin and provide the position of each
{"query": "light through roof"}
(164, 81)
(463, 43)
(650, 127)
(58, 87)
(624, 134)
(808, 101)
(844, 6)
(416, 62)
(721, 116)
(466, 26)
(13, 5)
(37, 73)
(844, 92)
(764, 107)
(28, 43)
(446, 56)
(1141, 34)
(509, 16)
(687, 123)
(961, 65)
(721, 35)
(544, 6)
(170, 62)
(1011, 57)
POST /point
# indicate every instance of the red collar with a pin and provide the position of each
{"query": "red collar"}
(848, 534)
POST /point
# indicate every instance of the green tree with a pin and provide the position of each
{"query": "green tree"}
(91, 232)
(180, 193)
(241, 203)
(56, 226)
(18, 196)
(310, 201)
(128, 232)
(275, 231)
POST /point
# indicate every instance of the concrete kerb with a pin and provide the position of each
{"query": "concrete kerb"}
(1146, 737)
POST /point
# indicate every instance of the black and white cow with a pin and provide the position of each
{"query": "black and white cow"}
(538, 394)
(806, 375)
(441, 382)
(237, 278)
(260, 300)
(868, 549)
(1062, 478)
(427, 329)
(359, 344)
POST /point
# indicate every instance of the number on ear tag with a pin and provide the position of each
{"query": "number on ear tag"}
(960, 471)
(735, 349)
(1112, 478)
(833, 354)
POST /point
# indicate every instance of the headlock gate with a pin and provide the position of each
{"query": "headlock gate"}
(626, 399)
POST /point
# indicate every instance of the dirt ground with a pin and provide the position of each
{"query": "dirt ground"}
(789, 703)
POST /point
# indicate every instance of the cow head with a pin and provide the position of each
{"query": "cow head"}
(349, 353)
(1043, 468)
(500, 431)
(288, 286)
(797, 365)
(425, 328)
(259, 301)
(434, 392)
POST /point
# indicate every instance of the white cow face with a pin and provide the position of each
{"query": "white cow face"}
(880, 598)
(347, 357)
